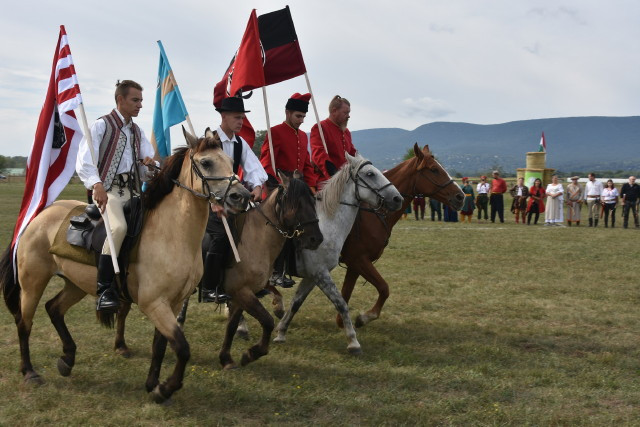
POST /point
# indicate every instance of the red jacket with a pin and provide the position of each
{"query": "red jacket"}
(498, 185)
(538, 192)
(290, 153)
(338, 141)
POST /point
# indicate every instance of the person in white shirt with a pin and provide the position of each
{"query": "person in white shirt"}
(119, 147)
(482, 199)
(232, 114)
(553, 213)
(610, 197)
(592, 193)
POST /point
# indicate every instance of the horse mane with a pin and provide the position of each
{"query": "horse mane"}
(162, 184)
(297, 190)
(331, 193)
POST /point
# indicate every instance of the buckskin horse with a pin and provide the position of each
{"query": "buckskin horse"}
(167, 268)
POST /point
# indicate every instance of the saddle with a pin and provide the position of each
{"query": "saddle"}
(83, 238)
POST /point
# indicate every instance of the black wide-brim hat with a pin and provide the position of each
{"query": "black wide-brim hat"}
(232, 105)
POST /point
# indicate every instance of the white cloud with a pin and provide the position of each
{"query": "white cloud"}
(426, 108)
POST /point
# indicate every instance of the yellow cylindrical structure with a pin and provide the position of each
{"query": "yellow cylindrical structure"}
(536, 160)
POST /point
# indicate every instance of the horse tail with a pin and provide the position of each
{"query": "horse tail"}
(108, 320)
(9, 283)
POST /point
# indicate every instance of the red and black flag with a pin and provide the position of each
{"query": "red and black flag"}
(278, 56)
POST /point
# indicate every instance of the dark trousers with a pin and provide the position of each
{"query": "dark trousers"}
(629, 206)
(609, 207)
(497, 206)
(482, 203)
(436, 207)
(418, 205)
(535, 209)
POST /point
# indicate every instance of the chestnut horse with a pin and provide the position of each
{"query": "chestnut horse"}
(421, 174)
(167, 269)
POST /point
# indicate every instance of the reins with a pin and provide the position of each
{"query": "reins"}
(297, 230)
(357, 179)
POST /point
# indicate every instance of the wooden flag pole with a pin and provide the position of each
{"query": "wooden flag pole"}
(266, 113)
(105, 217)
(315, 110)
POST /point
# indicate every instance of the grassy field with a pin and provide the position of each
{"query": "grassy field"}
(487, 324)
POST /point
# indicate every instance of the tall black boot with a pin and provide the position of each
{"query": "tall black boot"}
(590, 222)
(108, 300)
(595, 222)
(211, 284)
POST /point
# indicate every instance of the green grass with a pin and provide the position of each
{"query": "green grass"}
(487, 324)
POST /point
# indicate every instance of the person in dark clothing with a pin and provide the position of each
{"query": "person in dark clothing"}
(436, 208)
(630, 194)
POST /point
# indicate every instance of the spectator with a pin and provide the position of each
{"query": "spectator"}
(418, 204)
(498, 188)
(574, 201)
(536, 201)
(592, 193)
(520, 193)
(554, 209)
(436, 208)
(609, 201)
(630, 193)
(482, 200)
(467, 205)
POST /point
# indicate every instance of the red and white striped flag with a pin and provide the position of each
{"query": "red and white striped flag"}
(543, 144)
(52, 159)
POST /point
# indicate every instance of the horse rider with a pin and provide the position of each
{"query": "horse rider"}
(337, 137)
(291, 156)
(120, 146)
(232, 114)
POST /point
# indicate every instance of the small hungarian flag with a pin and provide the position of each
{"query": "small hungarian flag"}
(52, 159)
(543, 144)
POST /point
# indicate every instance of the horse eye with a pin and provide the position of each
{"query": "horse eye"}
(206, 163)
(435, 170)
(370, 173)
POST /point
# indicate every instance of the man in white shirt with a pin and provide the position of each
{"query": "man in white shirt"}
(118, 145)
(592, 193)
(232, 114)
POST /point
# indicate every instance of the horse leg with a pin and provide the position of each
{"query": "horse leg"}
(348, 284)
(120, 346)
(303, 290)
(277, 302)
(330, 289)
(235, 314)
(167, 330)
(182, 317)
(243, 329)
(254, 307)
(56, 308)
(370, 273)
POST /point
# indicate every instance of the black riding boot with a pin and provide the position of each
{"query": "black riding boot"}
(211, 284)
(590, 222)
(108, 300)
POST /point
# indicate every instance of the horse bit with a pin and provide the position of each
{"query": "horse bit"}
(298, 230)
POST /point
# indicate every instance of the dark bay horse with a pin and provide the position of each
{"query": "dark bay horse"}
(167, 269)
(421, 174)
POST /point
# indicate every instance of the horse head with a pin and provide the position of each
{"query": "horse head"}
(372, 186)
(214, 169)
(432, 180)
(297, 212)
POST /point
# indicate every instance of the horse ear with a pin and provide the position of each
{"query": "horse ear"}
(349, 157)
(284, 178)
(416, 150)
(192, 141)
(209, 133)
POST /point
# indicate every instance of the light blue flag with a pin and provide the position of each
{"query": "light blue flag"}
(169, 109)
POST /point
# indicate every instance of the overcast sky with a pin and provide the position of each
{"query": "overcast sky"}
(400, 63)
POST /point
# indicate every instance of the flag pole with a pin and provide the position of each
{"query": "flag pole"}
(315, 110)
(266, 113)
(105, 217)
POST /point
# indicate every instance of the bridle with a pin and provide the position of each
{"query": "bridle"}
(361, 182)
(206, 189)
(294, 232)
(439, 187)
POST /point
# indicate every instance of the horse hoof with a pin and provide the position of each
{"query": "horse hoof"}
(355, 351)
(33, 379)
(229, 367)
(242, 334)
(124, 352)
(280, 339)
(359, 322)
(157, 397)
(63, 368)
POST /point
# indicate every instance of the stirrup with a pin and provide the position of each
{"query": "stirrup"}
(107, 303)
(214, 296)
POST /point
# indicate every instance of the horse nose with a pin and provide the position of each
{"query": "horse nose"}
(397, 199)
(459, 197)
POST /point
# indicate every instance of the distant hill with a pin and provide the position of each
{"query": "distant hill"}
(573, 144)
